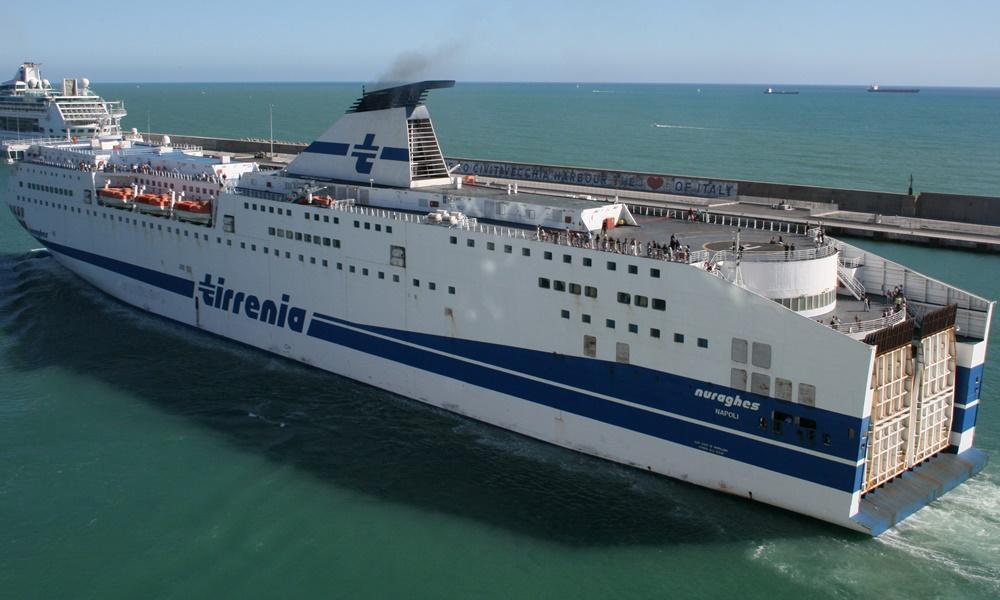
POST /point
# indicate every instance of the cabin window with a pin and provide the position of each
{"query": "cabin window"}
(738, 379)
(760, 383)
(559, 286)
(543, 282)
(641, 301)
(782, 389)
(564, 314)
(807, 394)
(575, 289)
(738, 353)
(621, 352)
(590, 291)
(679, 338)
(761, 355)
(634, 270)
(624, 298)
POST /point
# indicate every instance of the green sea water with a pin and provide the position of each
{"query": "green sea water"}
(141, 459)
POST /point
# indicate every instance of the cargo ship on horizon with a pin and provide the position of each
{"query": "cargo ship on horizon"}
(875, 88)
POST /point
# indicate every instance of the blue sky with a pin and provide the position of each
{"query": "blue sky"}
(956, 42)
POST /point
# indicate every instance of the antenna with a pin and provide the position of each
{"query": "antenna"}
(149, 131)
(270, 121)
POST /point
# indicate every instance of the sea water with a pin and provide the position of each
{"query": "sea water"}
(139, 458)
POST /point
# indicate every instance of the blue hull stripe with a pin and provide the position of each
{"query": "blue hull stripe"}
(788, 462)
(968, 383)
(170, 283)
(964, 419)
(648, 387)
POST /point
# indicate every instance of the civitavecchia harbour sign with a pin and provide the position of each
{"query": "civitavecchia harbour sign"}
(603, 178)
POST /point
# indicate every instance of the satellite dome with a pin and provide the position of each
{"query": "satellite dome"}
(85, 83)
(45, 83)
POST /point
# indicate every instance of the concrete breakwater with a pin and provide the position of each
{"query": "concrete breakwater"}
(932, 217)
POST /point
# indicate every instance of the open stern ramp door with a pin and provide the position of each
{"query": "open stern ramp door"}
(913, 395)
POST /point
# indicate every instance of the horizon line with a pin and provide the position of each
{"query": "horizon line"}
(566, 82)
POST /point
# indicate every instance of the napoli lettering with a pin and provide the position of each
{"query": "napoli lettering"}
(280, 314)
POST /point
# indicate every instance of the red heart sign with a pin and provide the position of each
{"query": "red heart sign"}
(654, 183)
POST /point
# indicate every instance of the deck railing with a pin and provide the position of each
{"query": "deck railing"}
(860, 329)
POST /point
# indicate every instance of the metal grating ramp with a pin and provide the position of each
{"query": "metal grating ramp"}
(914, 489)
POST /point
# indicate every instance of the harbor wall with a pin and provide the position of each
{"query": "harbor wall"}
(983, 210)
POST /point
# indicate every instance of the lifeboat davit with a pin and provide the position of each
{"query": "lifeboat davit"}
(195, 211)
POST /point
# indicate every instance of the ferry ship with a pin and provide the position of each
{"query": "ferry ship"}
(32, 110)
(756, 357)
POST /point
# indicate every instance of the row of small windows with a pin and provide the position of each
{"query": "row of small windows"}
(367, 225)
(561, 286)
(642, 301)
(51, 173)
(51, 189)
(633, 328)
(809, 302)
(169, 185)
(395, 277)
(271, 209)
(48, 204)
(308, 238)
(547, 255)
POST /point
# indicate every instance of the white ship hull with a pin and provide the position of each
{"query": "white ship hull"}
(516, 414)
(544, 339)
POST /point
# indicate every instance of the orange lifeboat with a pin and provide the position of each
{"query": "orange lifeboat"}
(324, 201)
(195, 211)
(110, 196)
(153, 203)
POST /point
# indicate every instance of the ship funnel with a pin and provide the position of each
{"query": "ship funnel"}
(386, 137)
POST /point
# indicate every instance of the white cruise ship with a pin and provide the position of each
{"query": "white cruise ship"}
(737, 356)
(31, 108)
